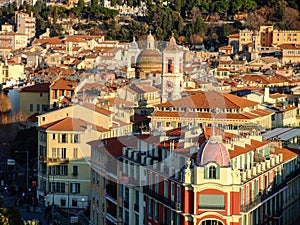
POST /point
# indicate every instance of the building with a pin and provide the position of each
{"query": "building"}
(267, 36)
(64, 153)
(168, 179)
(62, 88)
(25, 24)
(290, 53)
(197, 109)
(35, 99)
(11, 71)
(9, 40)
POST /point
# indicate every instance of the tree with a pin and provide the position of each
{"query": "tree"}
(94, 2)
(80, 4)
(290, 19)
(200, 26)
(180, 24)
(254, 21)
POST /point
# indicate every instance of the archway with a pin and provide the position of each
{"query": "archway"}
(211, 222)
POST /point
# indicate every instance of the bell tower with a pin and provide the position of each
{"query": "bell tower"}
(172, 71)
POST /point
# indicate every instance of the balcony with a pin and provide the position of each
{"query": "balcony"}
(251, 205)
(213, 207)
(54, 160)
(161, 198)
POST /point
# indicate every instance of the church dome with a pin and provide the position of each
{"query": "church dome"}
(213, 150)
(149, 58)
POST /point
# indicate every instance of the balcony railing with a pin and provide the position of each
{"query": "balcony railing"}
(54, 160)
(251, 205)
(160, 198)
(216, 207)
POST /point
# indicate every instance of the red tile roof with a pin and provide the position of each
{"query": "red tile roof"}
(64, 84)
(210, 99)
(71, 124)
(41, 87)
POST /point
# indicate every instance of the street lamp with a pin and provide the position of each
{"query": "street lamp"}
(27, 164)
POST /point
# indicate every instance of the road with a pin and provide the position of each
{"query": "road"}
(33, 213)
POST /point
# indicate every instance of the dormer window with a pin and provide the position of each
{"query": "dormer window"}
(212, 172)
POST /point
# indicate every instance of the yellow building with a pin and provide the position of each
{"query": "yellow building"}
(64, 154)
(34, 99)
(268, 37)
(11, 70)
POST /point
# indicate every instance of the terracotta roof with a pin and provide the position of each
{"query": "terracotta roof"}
(238, 150)
(210, 99)
(232, 116)
(64, 84)
(42, 87)
(234, 35)
(113, 146)
(287, 46)
(277, 95)
(287, 153)
(71, 124)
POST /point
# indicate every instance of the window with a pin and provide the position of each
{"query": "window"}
(64, 138)
(41, 94)
(45, 108)
(38, 107)
(150, 210)
(172, 191)
(156, 183)
(75, 188)
(212, 202)
(57, 187)
(54, 153)
(53, 136)
(75, 153)
(212, 172)
(63, 153)
(63, 202)
(166, 188)
(155, 211)
(31, 107)
(74, 202)
(170, 66)
(76, 138)
(75, 170)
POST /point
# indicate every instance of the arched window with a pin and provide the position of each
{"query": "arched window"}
(211, 222)
(132, 60)
(212, 173)
(170, 66)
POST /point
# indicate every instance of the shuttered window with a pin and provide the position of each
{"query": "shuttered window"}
(212, 202)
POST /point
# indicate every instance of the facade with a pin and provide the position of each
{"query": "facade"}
(25, 24)
(229, 179)
(35, 99)
(268, 37)
(10, 41)
(290, 53)
(11, 71)
(196, 110)
(62, 87)
(63, 159)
